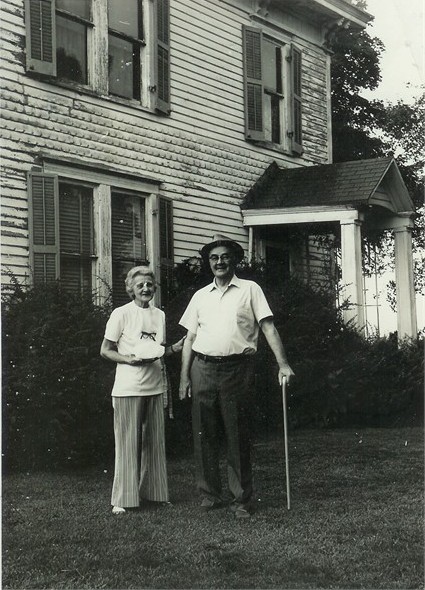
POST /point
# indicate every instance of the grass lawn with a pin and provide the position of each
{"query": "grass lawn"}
(356, 521)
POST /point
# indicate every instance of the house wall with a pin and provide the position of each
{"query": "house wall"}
(198, 153)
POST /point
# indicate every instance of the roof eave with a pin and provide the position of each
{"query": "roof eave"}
(344, 9)
(332, 10)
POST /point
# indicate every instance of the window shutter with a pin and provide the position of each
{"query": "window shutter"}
(253, 82)
(163, 56)
(166, 248)
(41, 36)
(296, 101)
(43, 227)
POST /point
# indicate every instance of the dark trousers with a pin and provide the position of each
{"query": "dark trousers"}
(222, 399)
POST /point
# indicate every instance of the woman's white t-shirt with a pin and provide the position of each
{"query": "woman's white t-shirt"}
(126, 326)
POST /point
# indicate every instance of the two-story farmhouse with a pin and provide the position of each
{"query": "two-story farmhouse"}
(136, 129)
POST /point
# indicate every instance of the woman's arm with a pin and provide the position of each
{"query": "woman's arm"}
(176, 347)
(109, 351)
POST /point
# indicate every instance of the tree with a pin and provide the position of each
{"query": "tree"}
(355, 66)
(364, 128)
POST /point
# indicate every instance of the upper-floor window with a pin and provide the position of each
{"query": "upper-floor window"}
(125, 40)
(86, 231)
(115, 47)
(73, 19)
(273, 83)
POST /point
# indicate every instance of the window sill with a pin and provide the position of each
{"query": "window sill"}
(85, 90)
(275, 147)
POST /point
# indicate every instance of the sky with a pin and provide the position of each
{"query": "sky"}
(400, 25)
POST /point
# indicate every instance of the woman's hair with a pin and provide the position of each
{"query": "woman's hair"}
(134, 272)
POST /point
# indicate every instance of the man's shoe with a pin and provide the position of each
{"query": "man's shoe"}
(208, 504)
(240, 511)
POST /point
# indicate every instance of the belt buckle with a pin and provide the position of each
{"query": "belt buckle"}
(220, 359)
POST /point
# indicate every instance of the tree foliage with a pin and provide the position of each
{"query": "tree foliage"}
(365, 128)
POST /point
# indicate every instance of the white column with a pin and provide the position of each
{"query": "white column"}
(251, 249)
(406, 302)
(352, 274)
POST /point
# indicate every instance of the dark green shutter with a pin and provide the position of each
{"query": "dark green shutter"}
(163, 56)
(296, 101)
(41, 36)
(253, 83)
(43, 226)
(166, 248)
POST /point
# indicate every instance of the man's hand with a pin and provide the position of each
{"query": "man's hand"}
(285, 373)
(185, 389)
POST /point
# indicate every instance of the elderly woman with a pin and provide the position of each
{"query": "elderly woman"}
(134, 339)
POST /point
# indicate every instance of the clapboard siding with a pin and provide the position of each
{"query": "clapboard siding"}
(198, 153)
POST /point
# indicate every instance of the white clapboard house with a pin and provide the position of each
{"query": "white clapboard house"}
(134, 130)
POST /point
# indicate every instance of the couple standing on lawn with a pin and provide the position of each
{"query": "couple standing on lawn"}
(222, 321)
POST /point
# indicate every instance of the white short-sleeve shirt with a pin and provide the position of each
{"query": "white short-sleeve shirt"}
(226, 322)
(125, 327)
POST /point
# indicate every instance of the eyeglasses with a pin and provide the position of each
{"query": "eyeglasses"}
(147, 284)
(223, 257)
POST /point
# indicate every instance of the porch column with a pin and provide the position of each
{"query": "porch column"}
(352, 274)
(251, 248)
(406, 301)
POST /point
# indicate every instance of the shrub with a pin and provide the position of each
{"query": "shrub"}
(56, 400)
(341, 378)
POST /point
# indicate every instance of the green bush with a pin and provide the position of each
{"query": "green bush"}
(56, 398)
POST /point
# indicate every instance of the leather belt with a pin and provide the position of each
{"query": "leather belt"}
(220, 359)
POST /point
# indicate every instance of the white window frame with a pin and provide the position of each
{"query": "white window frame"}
(97, 56)
(103, 184)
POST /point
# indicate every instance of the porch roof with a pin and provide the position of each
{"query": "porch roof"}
(346, 183)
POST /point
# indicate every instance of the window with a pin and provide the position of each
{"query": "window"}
(124, 44)
(120, 47)
(72, 23)
(128, 239)
(76, 243)
(62, 232)
(273, 103)
(87, 232)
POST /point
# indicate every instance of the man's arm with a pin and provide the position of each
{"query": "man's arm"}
(275, 343)
(187, 358)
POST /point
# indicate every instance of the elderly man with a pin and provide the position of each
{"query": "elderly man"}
(223, 321)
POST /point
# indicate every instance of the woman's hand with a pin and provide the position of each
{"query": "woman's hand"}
(133, 360)
(178, 346)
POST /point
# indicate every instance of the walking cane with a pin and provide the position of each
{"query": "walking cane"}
(285, 435)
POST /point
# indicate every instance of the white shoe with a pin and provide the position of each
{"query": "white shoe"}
(118, 510)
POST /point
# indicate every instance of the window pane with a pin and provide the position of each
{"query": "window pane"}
(123, 16)
(270, 65)
(76, 237)
(71, 50)
(75, 219)
(128, 240)
(77, 7)
(123, 68)
(76, 275)
(275, 106)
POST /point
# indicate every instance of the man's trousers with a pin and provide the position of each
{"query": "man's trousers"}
(222, 398)
(140, 462)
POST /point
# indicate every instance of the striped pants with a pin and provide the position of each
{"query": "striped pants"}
(140, 462)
